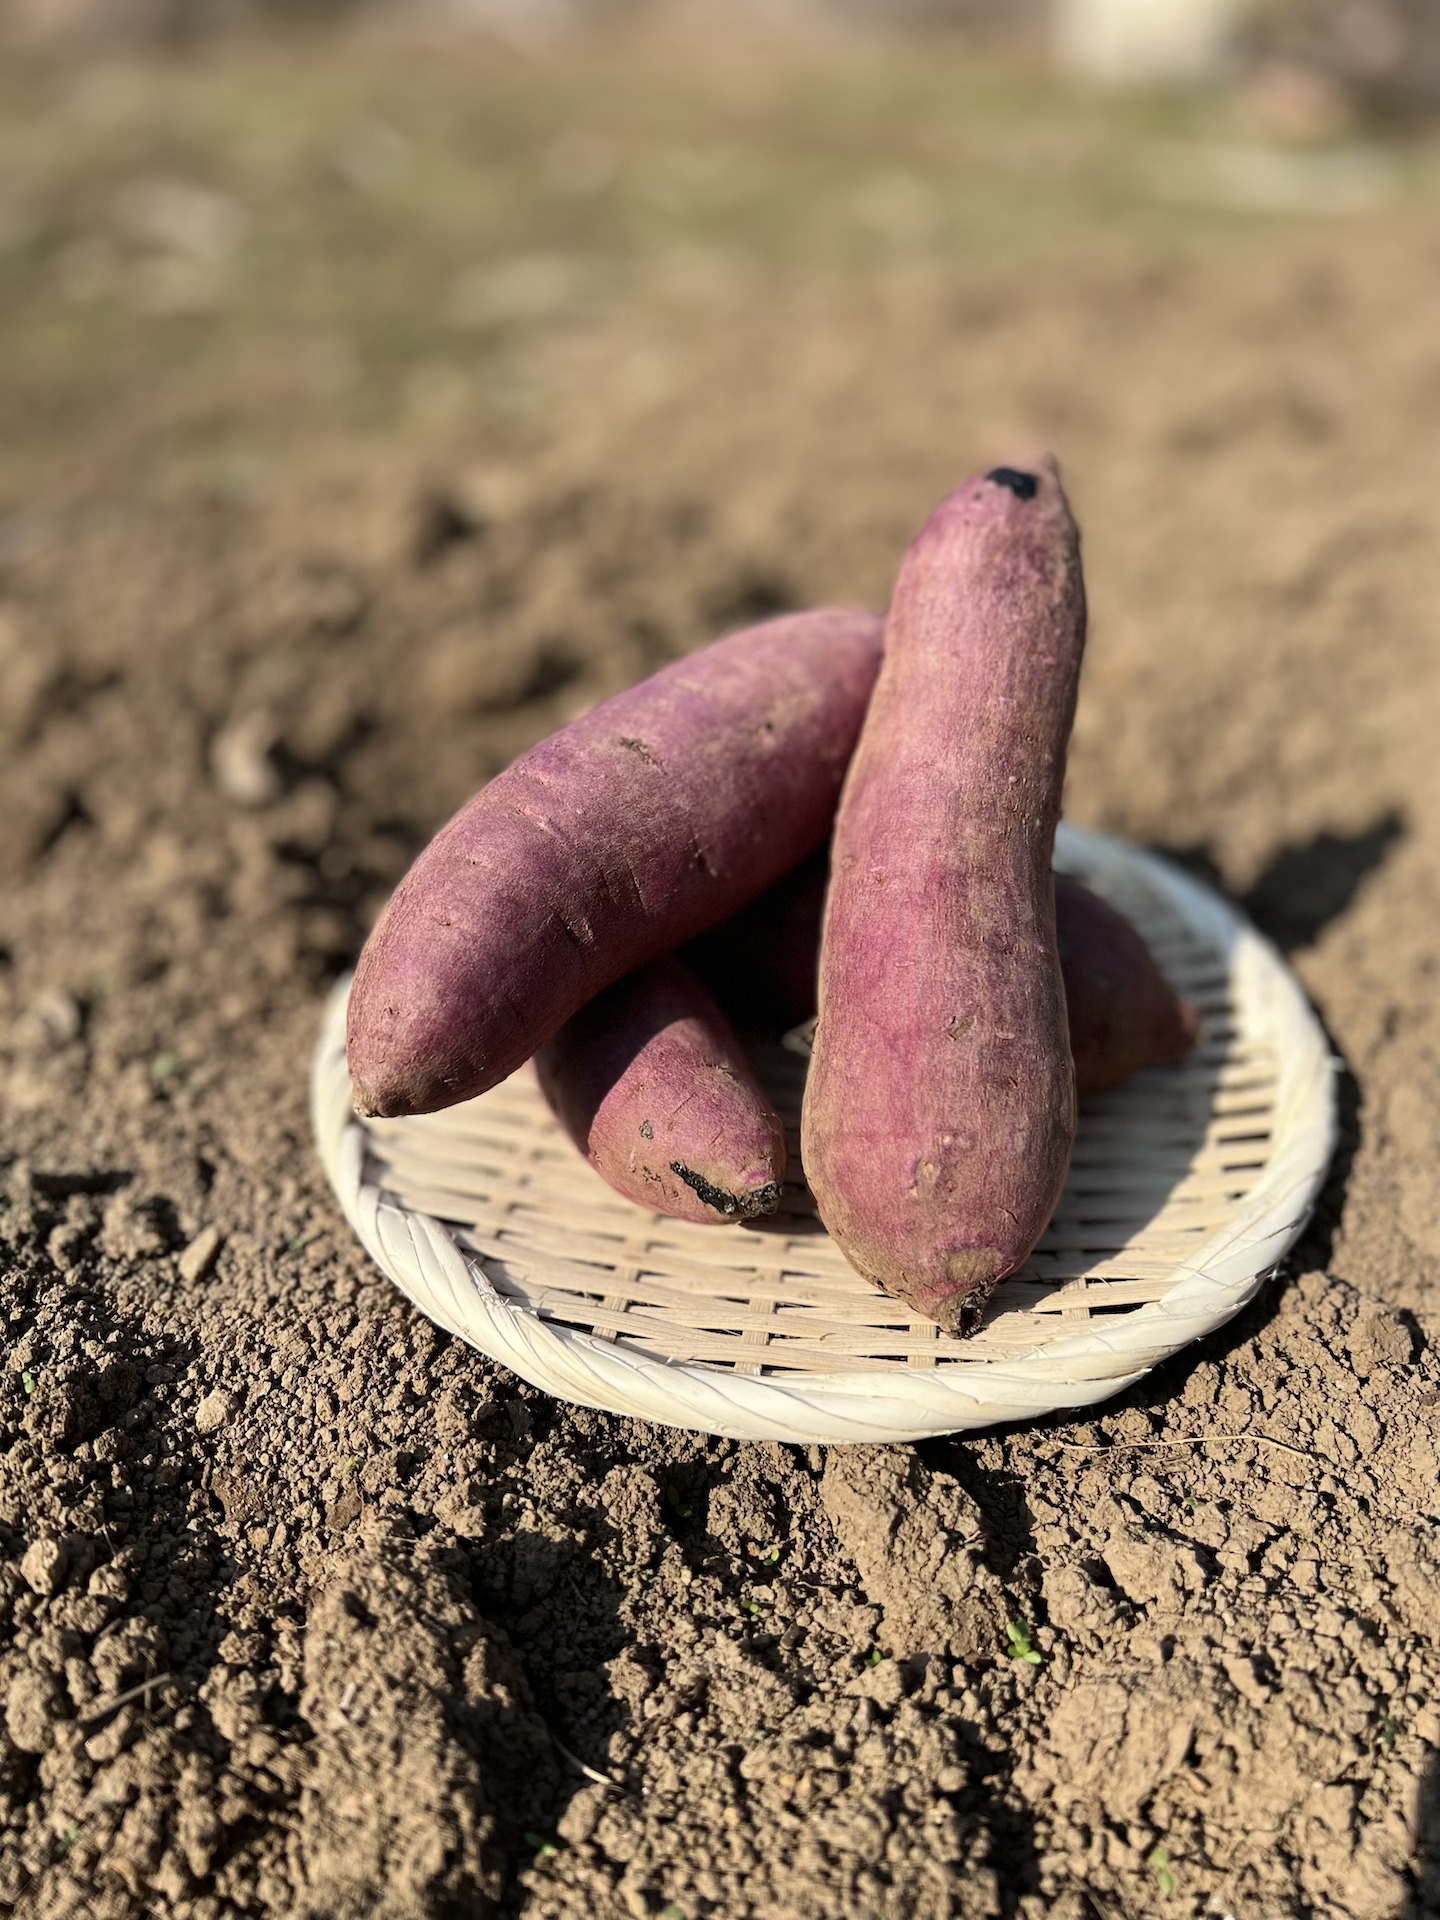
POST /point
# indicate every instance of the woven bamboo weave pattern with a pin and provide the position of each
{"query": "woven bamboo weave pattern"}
(1186, 1186)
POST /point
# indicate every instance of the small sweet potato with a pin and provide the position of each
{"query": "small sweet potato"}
(653, 1087)
(1121, 1012)
(620, 837)
(940, 1108)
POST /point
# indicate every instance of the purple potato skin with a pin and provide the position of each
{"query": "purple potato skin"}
(655, 1090)
(1121, 1012)
(628, 832)
(761, 962)
(940, 1109)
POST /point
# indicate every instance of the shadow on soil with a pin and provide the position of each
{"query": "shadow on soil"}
(1008, 1526)
(1010, 1551)
(1305, 887)
(1424, 1903)
(551, 1599)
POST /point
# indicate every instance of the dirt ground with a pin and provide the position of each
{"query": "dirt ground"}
(367, 408)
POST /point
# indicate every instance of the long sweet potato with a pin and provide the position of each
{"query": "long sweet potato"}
(940, 1108)
(1121, 1012)
(653, 1087)
(628, 832)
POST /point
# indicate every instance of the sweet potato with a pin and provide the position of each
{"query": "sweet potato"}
(620, 837)
(760, 963)
(1121, 1012)
(940, 1108)
(653, 1087)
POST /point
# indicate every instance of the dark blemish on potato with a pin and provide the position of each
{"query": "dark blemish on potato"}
(647, 1132)
(960, 1026)
(735, 1206)
(579, 931)
(1024, 486)
(642, 752)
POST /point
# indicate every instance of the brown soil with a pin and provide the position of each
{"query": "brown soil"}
(280, 582)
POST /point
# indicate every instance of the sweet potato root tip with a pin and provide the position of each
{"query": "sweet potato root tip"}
(962, 1313)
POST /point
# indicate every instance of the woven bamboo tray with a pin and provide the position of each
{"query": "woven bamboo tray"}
(1187, 1186)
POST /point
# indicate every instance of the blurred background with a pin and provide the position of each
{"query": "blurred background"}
(511, 241)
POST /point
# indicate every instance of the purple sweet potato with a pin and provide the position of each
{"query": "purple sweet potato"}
(1121, 1012)
(940, 1108)
(620, 837)
(653, 1087)
(761, 962)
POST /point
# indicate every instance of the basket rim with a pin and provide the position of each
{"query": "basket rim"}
(421, 1256)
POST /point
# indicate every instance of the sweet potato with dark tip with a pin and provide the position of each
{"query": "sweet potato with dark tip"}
(653, 1087)
(627, 833)
(940, 1108)
(1121, 1012)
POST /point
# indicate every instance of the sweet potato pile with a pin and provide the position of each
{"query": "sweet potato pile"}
(831, 813)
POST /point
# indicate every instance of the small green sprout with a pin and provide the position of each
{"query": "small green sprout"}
(28, 1382)
(165, 1066)
(771, 1558)
(68, 1838)
(672, 1911)
(751, 1607)
(544, 1848)
(1386, 1732)
(1022, 1646)
(875, 1657)
(1159, 1863)
(676, 1503)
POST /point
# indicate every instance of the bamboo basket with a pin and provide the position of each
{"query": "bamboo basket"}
(1187, 1186)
